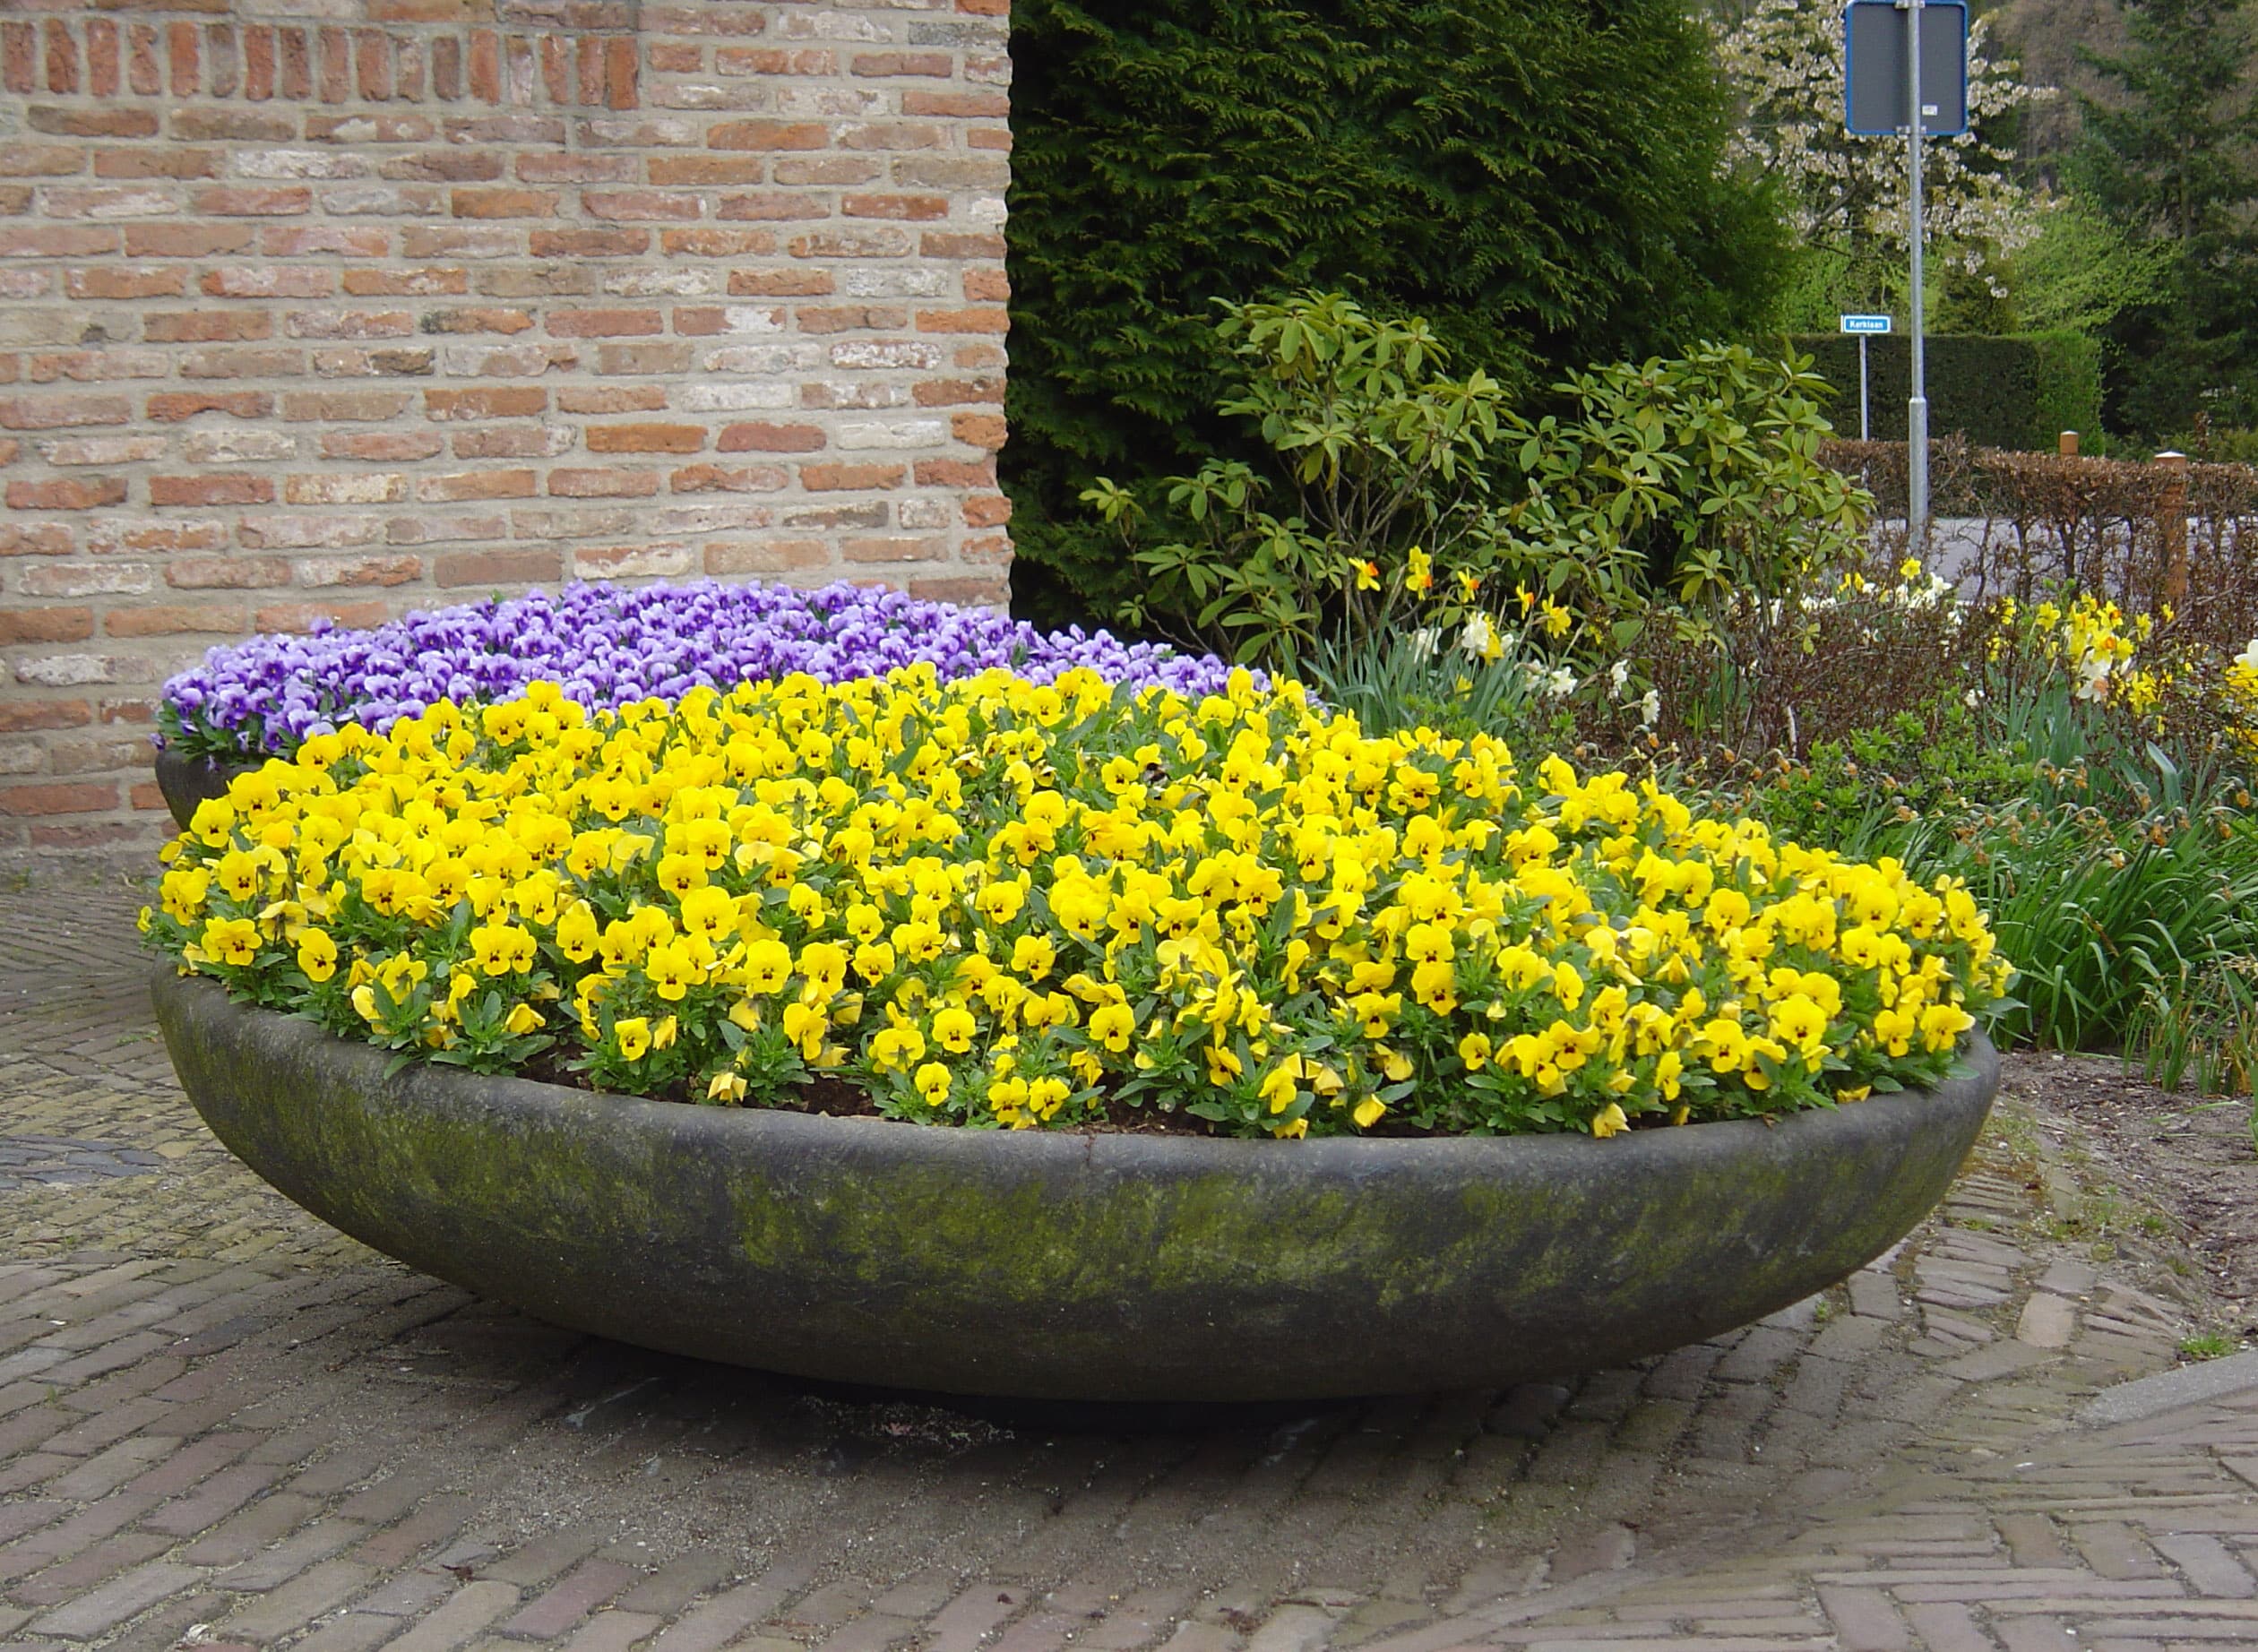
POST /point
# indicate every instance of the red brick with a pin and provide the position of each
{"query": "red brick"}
(387, 570)
(441, 165)
(957, 104)
(903, 207)
(930, 65)
(503, 202)
(638, 205)
(547, 169)
(671, 58)
(47, 160)
(210, 490)
(75, 797)
(68, 493)
(407, 283)
(729, 479)
(987, 137)
(646, 438)
(382, 446)
(695, 171)
(604, 323)
(992, 284)
(110, 123)
(60, 412)
(337, 67)
(156, 163)
(279, 202)
(937, 243)
(496, 402)
(766, 556)
(603, 484)
(306, 615)
(773, 60)
(759, 437)
(186, 69)
(226, 573)
(621, 74)
(267, 281)
(258, 63)
(978, 429)
(769, 134)
(102, 57)
(302, 241)
(588, 242)
(111, 282)
(520, 565)
(611, 399)
(955, 473)
(987, 511)
(220, 362)
(372, 64)
(359, 487)
(56, 240)
(976, 319)
(957, 392)
(294, 77)
(476, 485)
(205, 326)
(171, 406)
(62, 58)
(772, 206)
(850, 318)
(832, 478)
(17, 719)
(21, 624)
(187, 240)
(717, 243)
(174, 619)
(894, 548)
(780, 283)
(19, 57)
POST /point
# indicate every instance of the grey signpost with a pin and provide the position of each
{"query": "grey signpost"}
(1906, 70)
(1865, 327)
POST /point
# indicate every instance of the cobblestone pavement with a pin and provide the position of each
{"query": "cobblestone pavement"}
(223, 1424)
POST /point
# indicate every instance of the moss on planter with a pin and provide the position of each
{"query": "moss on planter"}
(1097, 1267)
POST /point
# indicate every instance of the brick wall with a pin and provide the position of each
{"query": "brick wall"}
(334, 308)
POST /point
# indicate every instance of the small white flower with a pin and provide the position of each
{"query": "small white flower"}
(1619, 674)
(1481, 639)
(1560, 682)
(2248, 658)
(1423, 642)
(1649, 708)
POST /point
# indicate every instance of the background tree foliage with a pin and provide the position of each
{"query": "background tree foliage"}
(1541, 179)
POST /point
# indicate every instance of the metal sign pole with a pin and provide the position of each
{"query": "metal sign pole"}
(1865, 424)
(1916, 499)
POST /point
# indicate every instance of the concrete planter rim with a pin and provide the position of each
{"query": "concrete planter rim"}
(1211, 1270)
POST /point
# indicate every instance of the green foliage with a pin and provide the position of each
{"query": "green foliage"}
(1389, 488)
(2170, 161)
(2015, 391)
(1372, 454)
(2082, 271)
(1538, 178)
(1698, 476)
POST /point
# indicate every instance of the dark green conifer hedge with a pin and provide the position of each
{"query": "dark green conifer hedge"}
(1538, 178)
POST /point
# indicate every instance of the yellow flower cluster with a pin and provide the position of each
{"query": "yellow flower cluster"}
(2095, 644)
(1003, 904)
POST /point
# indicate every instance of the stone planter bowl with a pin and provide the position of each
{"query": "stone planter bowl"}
(1101, 1267)
(187, 781)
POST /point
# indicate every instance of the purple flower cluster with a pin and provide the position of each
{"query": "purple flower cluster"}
(608, 646)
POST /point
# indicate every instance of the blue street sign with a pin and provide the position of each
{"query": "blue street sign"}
(1866, 324)
(1874, 88)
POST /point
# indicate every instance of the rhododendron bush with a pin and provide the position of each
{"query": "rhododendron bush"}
(998, 902)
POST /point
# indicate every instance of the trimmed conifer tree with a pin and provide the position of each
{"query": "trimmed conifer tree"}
(1541, 179)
